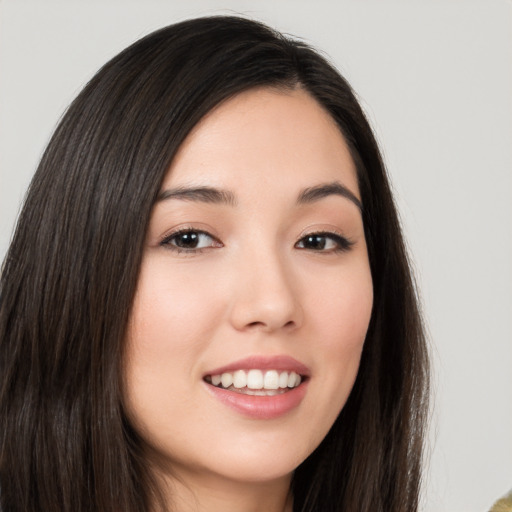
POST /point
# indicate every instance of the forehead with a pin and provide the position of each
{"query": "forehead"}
(265, 137)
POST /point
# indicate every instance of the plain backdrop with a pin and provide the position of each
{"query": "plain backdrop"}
(435, 78)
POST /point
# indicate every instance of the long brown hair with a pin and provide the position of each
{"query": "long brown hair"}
(69, 278)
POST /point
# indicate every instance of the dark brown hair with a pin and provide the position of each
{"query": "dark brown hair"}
(70, 274)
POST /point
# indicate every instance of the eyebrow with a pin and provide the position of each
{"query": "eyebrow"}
(220, 196)
(312, 194)
(201, 194)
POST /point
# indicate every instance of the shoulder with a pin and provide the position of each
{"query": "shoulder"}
(502, 505)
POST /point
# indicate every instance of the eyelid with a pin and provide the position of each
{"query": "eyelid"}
(183, 228)
(344, 243)
(166, 239)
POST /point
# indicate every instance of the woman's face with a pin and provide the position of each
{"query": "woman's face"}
(255, 269)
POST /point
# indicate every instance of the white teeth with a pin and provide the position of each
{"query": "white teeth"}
(293, 380)
(226, 380)
(239, 379)
(257, 380)
(271, 380)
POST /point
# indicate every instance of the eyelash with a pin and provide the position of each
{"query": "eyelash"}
(342, 244)
(167, 241)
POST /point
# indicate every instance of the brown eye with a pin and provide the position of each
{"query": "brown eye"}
(190, 240)
(315, 242)
(324, 242)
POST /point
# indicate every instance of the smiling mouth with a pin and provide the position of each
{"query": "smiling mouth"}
(256, 382)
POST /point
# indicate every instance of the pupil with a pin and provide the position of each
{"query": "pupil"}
(315, 242)
(187, 240)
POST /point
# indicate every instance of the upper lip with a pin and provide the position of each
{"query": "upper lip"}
(280, 363)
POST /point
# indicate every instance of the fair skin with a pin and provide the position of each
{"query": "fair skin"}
(267, 272)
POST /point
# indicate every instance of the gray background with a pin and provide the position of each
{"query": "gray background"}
(435, 78)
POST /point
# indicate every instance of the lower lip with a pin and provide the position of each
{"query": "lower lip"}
(261, 407)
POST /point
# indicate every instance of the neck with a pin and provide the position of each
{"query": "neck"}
(211, 493)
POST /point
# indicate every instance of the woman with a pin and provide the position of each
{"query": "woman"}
(207, 302)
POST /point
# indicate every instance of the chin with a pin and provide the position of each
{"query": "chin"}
(263, 462)
(255, 471)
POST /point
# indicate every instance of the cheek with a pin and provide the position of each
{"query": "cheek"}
(167, 336)
(343, 312)
(339, 315)
(343, 308)
(173, 311)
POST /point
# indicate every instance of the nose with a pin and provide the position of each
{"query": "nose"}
(265, 296)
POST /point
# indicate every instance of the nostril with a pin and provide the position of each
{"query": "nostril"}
(256, 324)
(263, 325)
